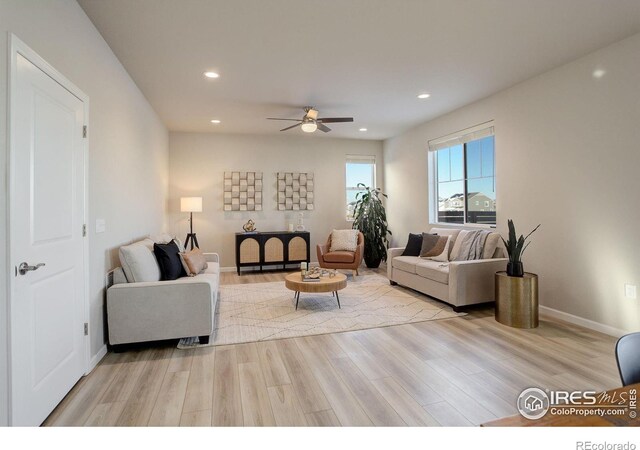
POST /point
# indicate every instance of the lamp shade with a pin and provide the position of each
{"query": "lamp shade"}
(191, 204)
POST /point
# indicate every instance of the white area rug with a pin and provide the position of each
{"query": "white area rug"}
(265, 311)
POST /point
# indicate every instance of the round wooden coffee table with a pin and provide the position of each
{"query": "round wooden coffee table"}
(294, 282)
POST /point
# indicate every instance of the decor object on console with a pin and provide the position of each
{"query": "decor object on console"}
(191, 205)
(515, 249)
(329, 258)
(142, 308)
(295, 191)
(270, 248)
(458, 283)
(243, 191)
(370, 217)
(249, 227)
(300, 226)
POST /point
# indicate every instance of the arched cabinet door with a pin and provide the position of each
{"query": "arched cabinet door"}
(298, 249)
(274, 250)
(250, 251)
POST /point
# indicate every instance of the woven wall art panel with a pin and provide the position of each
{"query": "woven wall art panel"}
(295, 191)
(243, 191)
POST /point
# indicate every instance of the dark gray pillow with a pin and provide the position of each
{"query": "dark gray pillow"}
(414, 245)
(168, 256)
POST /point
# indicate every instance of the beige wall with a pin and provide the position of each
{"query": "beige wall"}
(197, 163)
(567, 156)
(128, 145)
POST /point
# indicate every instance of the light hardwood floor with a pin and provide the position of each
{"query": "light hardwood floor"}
(453, 372)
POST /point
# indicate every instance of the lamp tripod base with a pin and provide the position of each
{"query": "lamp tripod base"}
(191, 238)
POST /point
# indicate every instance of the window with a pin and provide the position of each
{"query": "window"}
(359, 169)
(462, 177)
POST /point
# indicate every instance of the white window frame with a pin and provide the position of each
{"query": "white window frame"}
(359, 159)
(460, 137)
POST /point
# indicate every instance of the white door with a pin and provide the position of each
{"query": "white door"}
(46, 231)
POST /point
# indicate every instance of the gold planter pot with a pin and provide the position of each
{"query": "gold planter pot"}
(517, 300)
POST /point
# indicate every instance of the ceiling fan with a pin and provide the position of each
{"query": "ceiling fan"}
(310, 122)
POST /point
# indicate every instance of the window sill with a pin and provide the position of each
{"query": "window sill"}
(462, 225)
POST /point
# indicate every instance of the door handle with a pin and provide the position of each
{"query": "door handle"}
(24, 268)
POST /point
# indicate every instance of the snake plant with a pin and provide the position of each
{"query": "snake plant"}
(516, 246)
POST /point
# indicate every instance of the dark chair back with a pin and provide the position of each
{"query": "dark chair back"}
(628, 357)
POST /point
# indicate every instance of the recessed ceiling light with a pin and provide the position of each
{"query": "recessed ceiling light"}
(216, 121)
(211, 75)
(363, 129)
(421, 96)
(598, 73)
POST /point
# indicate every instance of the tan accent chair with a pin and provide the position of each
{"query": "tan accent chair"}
(341, 259)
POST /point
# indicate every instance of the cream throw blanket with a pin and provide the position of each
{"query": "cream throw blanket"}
(472, 245)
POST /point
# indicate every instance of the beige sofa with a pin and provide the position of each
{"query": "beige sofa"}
(459, 283)
(142, 308)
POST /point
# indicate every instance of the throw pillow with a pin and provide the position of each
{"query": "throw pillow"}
(344, 240)
(414, 245)
(138, 263)
(168, 256)
(193, 262)
(456, 246)
(447, 232)
(490, 245)
(435, 247)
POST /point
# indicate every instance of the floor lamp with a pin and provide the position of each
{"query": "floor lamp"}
(191, 205)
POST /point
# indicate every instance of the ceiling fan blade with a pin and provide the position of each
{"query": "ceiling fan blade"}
(323, 127)
(276, 118)
(292, 126)
(335, 119)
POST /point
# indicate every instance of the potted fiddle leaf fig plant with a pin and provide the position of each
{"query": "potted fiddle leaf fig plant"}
(515, 249)
(370, 218)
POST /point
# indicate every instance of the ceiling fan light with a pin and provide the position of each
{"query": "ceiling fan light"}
(309, 127)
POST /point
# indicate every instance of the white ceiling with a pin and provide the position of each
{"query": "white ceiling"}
(363, 58)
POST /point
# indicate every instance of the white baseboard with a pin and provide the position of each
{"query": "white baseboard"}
(97, 358)
(581, 321)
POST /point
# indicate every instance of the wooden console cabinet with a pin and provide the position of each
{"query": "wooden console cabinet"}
(272, 248)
